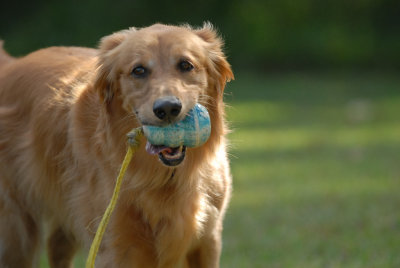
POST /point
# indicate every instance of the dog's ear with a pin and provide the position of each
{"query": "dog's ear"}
(219, 69)
(107, 76)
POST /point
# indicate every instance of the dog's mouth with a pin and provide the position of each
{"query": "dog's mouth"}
(169, 156)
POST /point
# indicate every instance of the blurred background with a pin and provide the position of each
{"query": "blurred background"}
(314, 109)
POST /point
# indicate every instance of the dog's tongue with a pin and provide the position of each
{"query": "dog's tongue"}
(155, 149)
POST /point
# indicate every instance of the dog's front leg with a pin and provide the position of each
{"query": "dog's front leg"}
(207, 253)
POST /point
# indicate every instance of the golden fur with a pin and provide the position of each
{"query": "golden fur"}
(64, 116)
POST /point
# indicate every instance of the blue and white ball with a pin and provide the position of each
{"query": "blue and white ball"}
(193, 131)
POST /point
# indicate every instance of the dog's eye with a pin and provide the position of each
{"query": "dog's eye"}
(139, 72)
(185, 66)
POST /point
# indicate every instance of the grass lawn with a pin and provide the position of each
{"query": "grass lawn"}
(316, 167)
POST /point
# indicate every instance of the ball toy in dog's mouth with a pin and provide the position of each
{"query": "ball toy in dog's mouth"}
(170, 142)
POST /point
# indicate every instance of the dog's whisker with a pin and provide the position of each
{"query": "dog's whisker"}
(206, 100)
(126, 119)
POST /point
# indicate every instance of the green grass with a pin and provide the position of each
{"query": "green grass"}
(316, 170)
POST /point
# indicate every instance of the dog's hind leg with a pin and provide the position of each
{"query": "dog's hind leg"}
(61, 249)
(19, 236)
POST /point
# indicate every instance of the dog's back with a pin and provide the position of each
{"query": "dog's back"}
(36, 93)
(4, 57)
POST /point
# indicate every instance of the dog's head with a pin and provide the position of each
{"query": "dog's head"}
(160, 72)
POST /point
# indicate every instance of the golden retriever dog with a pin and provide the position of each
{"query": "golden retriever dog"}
(64, 116)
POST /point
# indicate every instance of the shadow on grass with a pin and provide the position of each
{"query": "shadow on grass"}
(353, 230)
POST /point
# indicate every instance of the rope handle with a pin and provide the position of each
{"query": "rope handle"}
(133, 144)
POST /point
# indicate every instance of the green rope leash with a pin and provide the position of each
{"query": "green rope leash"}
(133, 144)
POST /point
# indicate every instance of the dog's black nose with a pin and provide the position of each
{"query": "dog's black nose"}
(167, 108)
